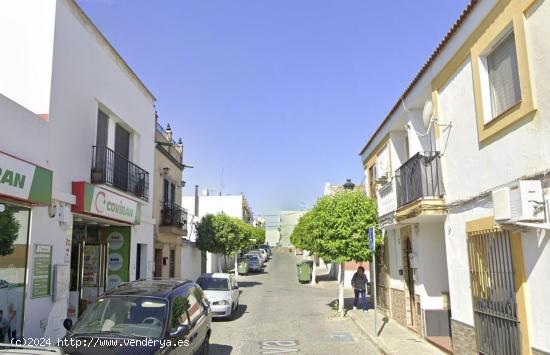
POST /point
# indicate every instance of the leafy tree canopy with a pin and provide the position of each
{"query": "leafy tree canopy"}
(222, 234)
(336, 229)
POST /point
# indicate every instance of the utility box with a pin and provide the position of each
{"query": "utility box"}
(521, 203)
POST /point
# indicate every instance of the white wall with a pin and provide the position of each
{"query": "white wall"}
(26, 63)
(431, 277)
(86, 74)
(272, 236)
(190, 261)
(393, 238)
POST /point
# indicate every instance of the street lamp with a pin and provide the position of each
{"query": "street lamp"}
(349, 185)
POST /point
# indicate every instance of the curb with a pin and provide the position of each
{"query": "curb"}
(374, 340)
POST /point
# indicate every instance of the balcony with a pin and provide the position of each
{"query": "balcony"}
(173, 218)
(110, 168)
(164, 140)
(420, 179)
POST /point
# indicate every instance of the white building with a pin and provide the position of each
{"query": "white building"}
(448, 179)
(72, 106)
(232, 205)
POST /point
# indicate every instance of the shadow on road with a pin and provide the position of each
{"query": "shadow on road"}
(348, 303)
(248, 284)
(238, 313)
(219, 349)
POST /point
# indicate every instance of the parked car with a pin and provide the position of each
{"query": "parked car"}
(222, 291)
(29, 350)
(260, 254)
(254, 262)
(172, 312)
(264, 253)
(267, 248)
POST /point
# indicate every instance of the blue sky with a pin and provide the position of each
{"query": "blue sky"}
(281, 94)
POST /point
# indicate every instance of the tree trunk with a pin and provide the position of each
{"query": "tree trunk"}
(313, 271)
(341, 291)
(236, 263)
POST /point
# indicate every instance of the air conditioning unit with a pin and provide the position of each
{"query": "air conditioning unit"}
(521, 203)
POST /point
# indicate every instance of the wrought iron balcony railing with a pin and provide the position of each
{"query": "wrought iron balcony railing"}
(173, 215)
(111, 168)
(419, 177)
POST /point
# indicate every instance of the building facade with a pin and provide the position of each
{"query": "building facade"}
(232, 205)
(467, 183)
(170, 217)
(81, 136)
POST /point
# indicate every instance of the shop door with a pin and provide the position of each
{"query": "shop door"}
(93, 271)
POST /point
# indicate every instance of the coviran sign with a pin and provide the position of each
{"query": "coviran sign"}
(95, 200)
(24, 181)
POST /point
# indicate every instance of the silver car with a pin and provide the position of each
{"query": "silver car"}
(254, 262)
(222, 291)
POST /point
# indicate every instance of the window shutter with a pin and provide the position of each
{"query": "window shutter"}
(503, 76)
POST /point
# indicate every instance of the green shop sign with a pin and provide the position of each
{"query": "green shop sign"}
(95, 200)
(24, 181)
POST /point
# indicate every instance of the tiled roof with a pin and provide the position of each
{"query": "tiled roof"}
(454, 28)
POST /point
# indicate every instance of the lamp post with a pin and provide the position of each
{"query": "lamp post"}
(348, 186)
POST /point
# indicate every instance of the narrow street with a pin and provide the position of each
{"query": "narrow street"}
(278, 315)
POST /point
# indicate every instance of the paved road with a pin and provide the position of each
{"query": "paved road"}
(277, 315)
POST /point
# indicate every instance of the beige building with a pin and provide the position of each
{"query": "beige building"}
(170, 217)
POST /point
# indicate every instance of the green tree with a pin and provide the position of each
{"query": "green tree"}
(336, 229)
(221, 234)
(9, 230)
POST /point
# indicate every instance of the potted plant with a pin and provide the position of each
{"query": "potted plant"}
(97, 175)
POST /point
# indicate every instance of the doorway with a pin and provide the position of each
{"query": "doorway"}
(158, 263)
(410, 280)
(89, 270)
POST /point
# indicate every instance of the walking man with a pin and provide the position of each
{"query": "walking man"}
(359, 284)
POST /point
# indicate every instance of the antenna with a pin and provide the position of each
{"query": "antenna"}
(221, 183)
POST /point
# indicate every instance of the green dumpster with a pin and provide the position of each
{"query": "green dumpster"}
(304, 272)
(243, 266)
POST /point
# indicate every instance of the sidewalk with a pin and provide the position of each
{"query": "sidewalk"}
(392, 337)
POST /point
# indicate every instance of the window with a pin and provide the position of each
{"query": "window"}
(195, 308)
(165, 194)
(102, 128)
(126, 315)
(502, 67)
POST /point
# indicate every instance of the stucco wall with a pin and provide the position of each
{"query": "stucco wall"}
(26, 66)
(190, 261)
(431, 278)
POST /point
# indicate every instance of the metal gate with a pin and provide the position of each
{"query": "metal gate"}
(493, 292)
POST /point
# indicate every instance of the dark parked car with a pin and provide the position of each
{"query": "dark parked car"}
(143, 317)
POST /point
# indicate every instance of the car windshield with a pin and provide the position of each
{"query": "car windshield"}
(251, 257)
(213, 283)
(124, 316)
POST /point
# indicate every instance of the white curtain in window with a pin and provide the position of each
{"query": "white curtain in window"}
(503, 76)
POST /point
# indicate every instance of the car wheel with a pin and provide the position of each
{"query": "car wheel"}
(206, 345)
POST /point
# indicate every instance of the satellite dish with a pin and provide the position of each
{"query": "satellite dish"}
(427, 113)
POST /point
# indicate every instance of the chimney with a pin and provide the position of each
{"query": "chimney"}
(197, 201)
